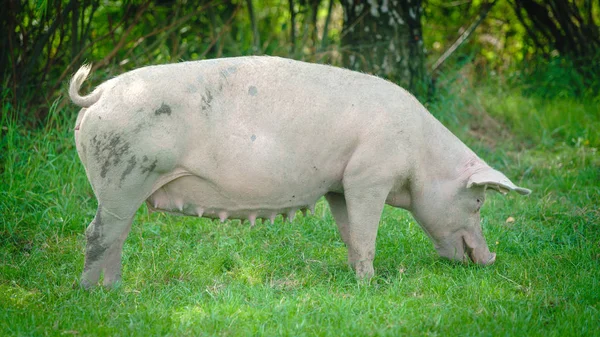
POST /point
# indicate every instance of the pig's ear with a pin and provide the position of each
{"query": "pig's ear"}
(491, 178)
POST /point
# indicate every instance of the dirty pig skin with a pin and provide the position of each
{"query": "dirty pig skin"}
(254, 137)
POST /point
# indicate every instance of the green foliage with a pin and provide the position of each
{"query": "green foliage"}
(545, 122)
(499, 43)
(507, 44)
(545, 106)
(556, 78)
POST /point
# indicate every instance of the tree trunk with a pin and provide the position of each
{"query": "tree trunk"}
(292, 26)
(384, 38)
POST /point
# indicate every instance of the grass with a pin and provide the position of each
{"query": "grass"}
(559, 120)
(185, 276)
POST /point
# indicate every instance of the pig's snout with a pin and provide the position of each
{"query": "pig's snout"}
(480, 255)
(492, 259)
(484, 261)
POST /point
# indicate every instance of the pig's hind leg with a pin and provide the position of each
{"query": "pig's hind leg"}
(105, 236)
(118, 202)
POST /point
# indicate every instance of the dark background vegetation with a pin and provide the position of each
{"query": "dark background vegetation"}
(411, 42)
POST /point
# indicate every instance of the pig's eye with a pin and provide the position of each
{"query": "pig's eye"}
(479, 204)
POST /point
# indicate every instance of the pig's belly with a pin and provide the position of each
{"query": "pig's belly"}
(195, 196)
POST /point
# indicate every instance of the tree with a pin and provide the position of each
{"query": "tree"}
(569, 29)
(567, 26)
(385, 38)
(46, 41)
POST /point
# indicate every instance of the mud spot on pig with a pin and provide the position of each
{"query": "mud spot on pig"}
(253, 138)
(148, 168)
(139, 127)
(206, 100)
(94, 248)
(163, 110)
(227, 72)
(252, 91)
(130, 166)
(109, 150)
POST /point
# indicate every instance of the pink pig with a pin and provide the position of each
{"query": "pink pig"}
(253, 137)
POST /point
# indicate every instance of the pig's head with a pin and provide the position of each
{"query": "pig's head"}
(448, 211)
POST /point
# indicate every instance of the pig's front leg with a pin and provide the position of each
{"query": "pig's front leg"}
(364, 207)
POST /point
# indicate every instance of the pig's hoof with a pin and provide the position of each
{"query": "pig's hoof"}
(364, 270)
(87, 285)
(111, 281)
(112, 285)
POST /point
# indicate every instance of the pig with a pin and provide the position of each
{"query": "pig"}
(255, 137)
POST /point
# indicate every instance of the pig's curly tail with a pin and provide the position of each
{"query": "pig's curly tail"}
(76, 82)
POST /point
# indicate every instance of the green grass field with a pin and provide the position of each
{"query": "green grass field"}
(192, 277)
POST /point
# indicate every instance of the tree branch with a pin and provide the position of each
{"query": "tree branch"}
(41, 42)
(75, 60)
(255, 35)
(221, 32)
(292, 25)
(170, 27)
(123, 39)
(325, 36)
(481, 16)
